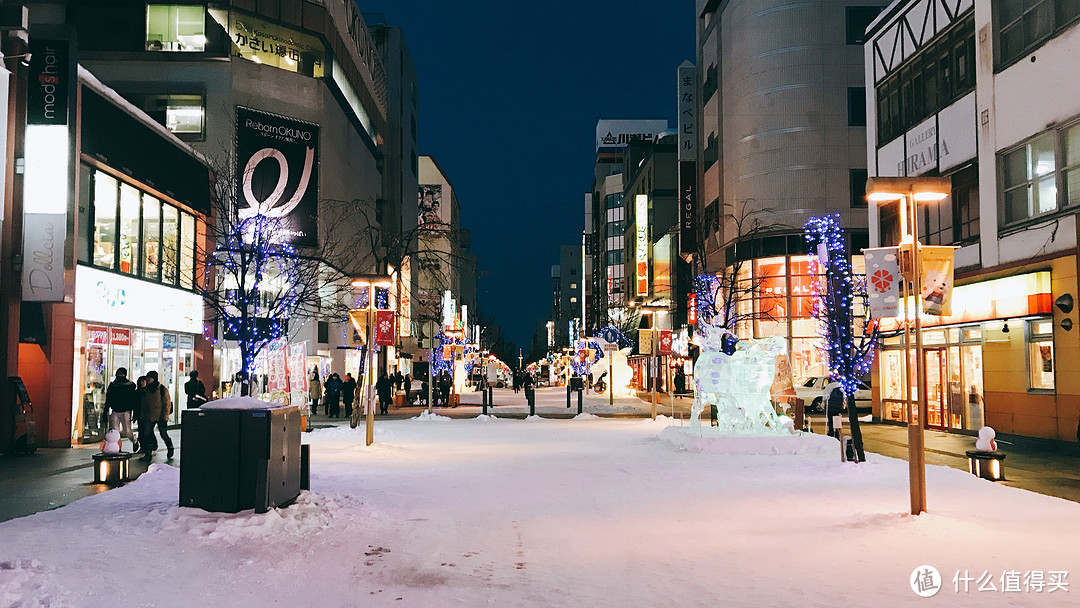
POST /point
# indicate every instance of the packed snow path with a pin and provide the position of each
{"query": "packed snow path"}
(585, 512)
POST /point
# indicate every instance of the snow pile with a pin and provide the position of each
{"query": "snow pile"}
(586, 416)
(240, 403)
(425, 415)
(711, 440)
(533, 418)
(308, 514)
(28, 583)
(486, 418)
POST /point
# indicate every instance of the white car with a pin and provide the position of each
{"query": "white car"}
(812, 392)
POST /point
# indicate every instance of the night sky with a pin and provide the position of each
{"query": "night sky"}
(509, 98)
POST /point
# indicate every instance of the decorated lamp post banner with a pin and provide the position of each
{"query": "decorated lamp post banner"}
(883, 281)
(665, 342)
(277, 373)
(936, 282)
(277, 169)
(384, 327)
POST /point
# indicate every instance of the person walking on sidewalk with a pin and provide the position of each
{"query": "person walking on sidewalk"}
(384, 387)
(120, 401)
(315, 391)
(333, 396)
(195, 390)
(156, 409)
(834, 406)
(348, 393)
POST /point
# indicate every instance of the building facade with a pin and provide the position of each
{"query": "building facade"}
(957, 89)
(781, 138)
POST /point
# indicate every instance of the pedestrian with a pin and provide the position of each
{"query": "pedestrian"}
(315, 391)
(444, 388)
(120, 401)
(348, 393)
(384, 388)
(680, 381)
(408, 389)
(332, 392)
(195, 390)
(156, 409)
(423, 396)
(517, 380)
(834, 405)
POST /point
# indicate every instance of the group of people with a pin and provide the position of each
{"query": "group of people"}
(335, 391)
(147, 401)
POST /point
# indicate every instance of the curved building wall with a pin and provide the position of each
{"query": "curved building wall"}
(785, 70)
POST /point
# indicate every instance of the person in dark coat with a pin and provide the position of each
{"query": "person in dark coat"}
(120, 402)
(834, 406)
(195, 390)
(348, 393)
(444, 388)
(680, 381)
(333, 396)
(156, 409)
(384, 388)
(408, 389)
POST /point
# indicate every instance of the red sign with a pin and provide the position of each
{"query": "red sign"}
(691, 309)
(120, 337)
(384, 327)
(665, 341)
(97, 334)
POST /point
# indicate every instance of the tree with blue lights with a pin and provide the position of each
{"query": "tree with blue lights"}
(844, 295)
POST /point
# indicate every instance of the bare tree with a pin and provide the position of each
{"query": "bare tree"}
(256, 282)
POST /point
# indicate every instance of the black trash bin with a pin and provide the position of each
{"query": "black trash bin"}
(237, 459)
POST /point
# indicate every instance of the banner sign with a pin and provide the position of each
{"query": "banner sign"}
(405, 298)
(49, 82)
(665, 342)
(883, 281)
(97, 334)
(119, 337)
(277, 373)
(277, 169)
(298, 378)
(645, 342)
(691, 309)
(936, 282)
(429, 207)
(641, 224)
(687, 207)
(384, 327)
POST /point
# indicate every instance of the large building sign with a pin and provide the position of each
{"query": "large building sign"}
(429, 206)
(641, 224)
(688, 204)
(271, 44)
(114, 299)
(939, 143)
(277, 168)
(619, 133)
(687, 87)
(47, 181)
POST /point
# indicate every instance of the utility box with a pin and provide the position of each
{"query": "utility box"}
(240, 458)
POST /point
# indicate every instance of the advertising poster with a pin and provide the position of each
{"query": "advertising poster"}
(665, 342)
(277, 373)
(405, 297)
(936, 282)
(277, 169)
(298, 378)
(883, 281)
(429, 206)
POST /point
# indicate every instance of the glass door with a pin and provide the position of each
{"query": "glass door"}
(95, 381)
(935, 388)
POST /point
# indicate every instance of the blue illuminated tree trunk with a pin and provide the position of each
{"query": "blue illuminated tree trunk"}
(849, 355)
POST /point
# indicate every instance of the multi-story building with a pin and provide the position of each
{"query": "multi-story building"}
(114, 210)
(781, 135)
(959, 89)
(605, 218)
(440, 257)
(567, 290)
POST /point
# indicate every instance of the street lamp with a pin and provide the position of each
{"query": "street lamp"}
(909, 191)
(362, 317)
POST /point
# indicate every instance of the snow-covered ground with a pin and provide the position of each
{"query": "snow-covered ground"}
(587, 512)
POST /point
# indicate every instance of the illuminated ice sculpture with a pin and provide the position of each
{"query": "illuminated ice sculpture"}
(738, 385)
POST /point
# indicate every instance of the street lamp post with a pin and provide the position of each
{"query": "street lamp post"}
(909, 191)
(369, 283)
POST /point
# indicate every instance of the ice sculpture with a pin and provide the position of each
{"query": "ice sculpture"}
(738, 385)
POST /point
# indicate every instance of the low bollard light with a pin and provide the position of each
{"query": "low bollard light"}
(111, 469)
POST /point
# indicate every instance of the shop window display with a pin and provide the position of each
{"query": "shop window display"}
(170, 250)
(151, 235)
(187, 250)
(105, 192)
(175, 28)
(1041, 354)
(129, 229)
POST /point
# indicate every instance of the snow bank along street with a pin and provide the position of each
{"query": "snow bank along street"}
(583, 512)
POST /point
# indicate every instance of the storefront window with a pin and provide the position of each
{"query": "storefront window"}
(170, 223)
(171, 27)
(105, 187)
(1041, 354)
(129, 229)
(151, 237)
(187, 251)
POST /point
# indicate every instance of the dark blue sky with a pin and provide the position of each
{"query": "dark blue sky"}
(509, 98)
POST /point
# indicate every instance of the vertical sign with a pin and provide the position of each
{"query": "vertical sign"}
(277, 377)
(936, 282)
(48, 182)
(405, 299)
(664, 348)
(883, 281)
(641, 223)
(687, 111)
(298, 379)
(277, 167)
(384, 327)
(691, 309)
(687, 207)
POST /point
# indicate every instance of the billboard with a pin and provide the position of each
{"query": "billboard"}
(641, 248)
(429, 206)
(277, 166)
(619, 133)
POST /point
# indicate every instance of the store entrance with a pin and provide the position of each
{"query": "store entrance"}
(945, 396)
